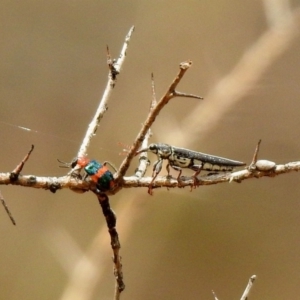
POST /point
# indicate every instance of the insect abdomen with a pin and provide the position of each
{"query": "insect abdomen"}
(211, 167)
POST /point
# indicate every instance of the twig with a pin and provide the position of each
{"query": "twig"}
(115, 243)
(238, 176)
(16, 172)
(118, 64)
(7, 209)
(154, 101)
(180, 94)
(49, 183)
(143, 160)
(252, 165)
(113, 71)
(262, 164)
(115, 68)
(254, 160)
(248, 288)
(171, 93)
(214, 294)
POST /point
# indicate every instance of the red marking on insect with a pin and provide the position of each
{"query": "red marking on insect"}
(81, 161)
(99, 174)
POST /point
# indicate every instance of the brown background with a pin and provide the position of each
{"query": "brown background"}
(176, 244)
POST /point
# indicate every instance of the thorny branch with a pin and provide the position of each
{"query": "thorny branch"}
(214, 294)
(238, 176)
(246, 292)
(143, 160)
(248, 288)
(7, 209)
(171, 93)
(62, 182)
(111, 221)
(263, 168)
(114, 70)
(16, 172)
(257, 169)
(13, 177)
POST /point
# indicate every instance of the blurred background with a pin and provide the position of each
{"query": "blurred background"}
(176, 244)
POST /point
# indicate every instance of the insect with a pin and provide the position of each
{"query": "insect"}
(179, 158)
(99, 173)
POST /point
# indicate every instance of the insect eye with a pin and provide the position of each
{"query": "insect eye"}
(74, 162)
(152, 147)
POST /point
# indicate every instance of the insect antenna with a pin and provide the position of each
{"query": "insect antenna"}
(64, 164)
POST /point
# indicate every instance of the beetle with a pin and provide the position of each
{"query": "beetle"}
(179, 158)
(99, 173)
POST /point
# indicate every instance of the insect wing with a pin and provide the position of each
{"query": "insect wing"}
(92, 167)
(207, 158)
(106, 181)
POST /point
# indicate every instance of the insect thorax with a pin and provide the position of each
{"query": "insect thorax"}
(164, 151)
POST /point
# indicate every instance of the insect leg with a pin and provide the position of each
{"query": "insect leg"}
(177, 169)
(156, 169)
(197, 169)
(108, 163)
(168, 168)
(85, 176)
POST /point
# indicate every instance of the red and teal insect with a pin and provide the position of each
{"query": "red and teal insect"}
(98, 173)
